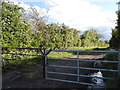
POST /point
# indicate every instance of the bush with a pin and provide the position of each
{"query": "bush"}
(111, 83)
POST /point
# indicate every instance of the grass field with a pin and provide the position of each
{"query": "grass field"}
(67, 54)
(33, 60)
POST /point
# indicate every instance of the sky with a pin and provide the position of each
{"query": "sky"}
(79, 14)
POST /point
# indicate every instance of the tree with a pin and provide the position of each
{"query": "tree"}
(15, 28)
(115, 40)
(70, 36)
(41, 35)
(55, 36)
(118, 30)
(62, 37)
(90, 38)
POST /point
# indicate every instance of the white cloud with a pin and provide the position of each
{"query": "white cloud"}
(81, 14)
(26, 6)
(101, 0)
(81, 0)
(21, 4)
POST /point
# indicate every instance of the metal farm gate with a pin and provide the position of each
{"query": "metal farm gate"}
(78, 67)
(48, 67)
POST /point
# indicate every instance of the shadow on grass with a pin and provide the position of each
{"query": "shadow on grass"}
(101, 48)
(18, 64)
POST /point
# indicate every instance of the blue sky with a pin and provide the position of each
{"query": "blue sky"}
(80, 14)
(40, 4)
(108, 6)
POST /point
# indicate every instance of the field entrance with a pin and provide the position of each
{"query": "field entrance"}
(67, 72)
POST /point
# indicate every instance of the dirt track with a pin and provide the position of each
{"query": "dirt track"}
(31, 77)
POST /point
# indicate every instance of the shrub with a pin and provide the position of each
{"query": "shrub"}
(111, 83)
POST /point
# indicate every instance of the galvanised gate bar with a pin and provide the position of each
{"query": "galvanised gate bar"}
(78, 67)
(45, 52)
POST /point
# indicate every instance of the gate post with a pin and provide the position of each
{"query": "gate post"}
(119, 64)
(118, 69)
(44, 54)
(78, 64)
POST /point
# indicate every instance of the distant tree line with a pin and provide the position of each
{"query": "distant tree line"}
(32, 30)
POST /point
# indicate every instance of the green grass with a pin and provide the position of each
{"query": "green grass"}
(18, 64)
(59, 54)
(81, 48)
(67, 54)
(25, 61)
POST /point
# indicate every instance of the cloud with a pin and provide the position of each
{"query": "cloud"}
(81, 0)
(101, 0)
(81, 14)
(22, 4)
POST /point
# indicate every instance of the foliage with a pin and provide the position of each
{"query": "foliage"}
(20, 31)
(9, 65)
(61, 36)
(40, 36)
(91, 38)
(115, 40)
(22, 28)
(112, 66)
(15, 28)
